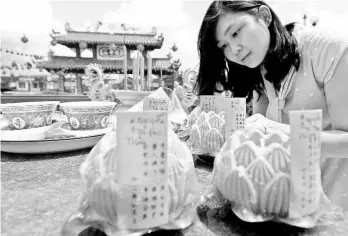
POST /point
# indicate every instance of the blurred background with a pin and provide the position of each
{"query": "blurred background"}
(28, 50)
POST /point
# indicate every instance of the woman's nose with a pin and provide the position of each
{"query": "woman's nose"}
(236, 49)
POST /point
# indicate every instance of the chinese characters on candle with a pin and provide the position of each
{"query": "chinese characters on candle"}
(142, 159)
(156, 104)
(306, 129)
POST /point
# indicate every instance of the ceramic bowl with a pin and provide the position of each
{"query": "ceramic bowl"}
(88, 115)
(66, 129)
(28, 115)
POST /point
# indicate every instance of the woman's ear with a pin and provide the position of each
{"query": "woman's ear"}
(265, 14)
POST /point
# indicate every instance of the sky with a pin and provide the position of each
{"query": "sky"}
(178, 20)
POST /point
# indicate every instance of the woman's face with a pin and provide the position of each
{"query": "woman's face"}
(243, 38)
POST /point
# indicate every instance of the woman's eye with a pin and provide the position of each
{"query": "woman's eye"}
(223, 47)
(236, 33)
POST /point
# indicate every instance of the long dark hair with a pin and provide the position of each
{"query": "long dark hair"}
(241, 80)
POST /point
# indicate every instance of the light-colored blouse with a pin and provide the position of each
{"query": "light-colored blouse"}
(320, 52)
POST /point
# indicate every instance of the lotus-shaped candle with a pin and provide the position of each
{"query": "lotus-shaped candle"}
(252, 170)
(104, 194)
(207, 131)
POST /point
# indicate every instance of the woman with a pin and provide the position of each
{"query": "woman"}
(244, 48)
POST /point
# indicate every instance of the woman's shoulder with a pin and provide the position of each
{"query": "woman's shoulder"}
(322, 48)
(309, 36)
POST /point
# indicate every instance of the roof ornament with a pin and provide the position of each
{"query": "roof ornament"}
(68, 27)
(154, 30)
(161, 37)
(98, 25)
(54, 32)
(126, 27)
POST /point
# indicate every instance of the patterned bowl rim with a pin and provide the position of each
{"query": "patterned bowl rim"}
(21, 104)
(87, 104)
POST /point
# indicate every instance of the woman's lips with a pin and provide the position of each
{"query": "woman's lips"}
(246, 57)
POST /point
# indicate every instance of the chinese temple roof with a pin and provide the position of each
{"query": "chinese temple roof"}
(72, 39)
(128, 37)
(73, 64)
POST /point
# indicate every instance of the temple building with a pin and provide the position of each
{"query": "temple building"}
(18, 72)
(123, 52)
